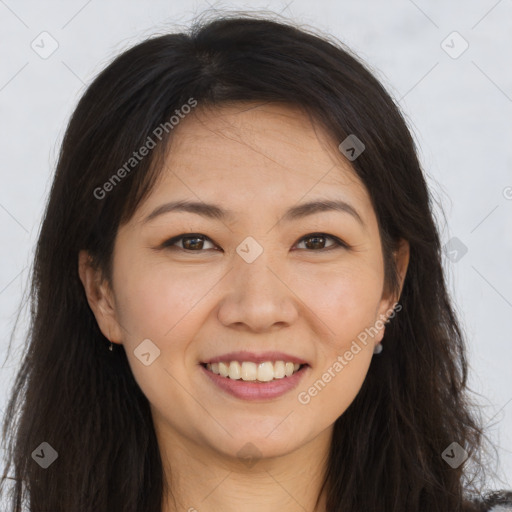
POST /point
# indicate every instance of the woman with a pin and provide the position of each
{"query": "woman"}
(238, 294)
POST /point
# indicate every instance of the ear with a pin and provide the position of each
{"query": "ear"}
(100, 298)
(401, 257)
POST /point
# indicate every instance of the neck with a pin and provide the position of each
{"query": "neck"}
(200, 479)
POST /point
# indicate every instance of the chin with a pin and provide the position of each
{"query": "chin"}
(258, 443)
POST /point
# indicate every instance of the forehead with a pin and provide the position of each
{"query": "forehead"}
(254, 152)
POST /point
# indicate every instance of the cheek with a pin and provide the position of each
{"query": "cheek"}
(347, 304)
(156, 300)
(346, 298)
(159, 303)
(335, 387)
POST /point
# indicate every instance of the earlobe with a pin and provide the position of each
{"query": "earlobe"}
(100, 298)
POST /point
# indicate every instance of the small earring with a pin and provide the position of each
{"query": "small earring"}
(111, 346)
(378, 348)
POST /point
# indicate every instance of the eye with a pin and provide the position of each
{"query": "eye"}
(191, 242)
(194, 242)
(319, 239)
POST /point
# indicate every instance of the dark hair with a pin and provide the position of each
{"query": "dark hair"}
(72, 393)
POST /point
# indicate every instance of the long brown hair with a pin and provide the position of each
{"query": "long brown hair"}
(74, 394)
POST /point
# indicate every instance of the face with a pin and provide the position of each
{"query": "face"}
(259, 278)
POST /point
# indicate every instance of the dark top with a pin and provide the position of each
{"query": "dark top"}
(496, 501)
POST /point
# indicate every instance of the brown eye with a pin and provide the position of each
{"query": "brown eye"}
(317, 241)
(195, 242)
(189, 242)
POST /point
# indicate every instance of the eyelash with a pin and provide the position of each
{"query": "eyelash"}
(170, 244)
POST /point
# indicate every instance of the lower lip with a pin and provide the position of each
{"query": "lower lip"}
(254, 391)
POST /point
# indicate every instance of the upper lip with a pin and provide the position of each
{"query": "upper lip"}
(261, 357)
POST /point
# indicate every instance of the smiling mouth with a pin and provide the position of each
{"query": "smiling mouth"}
(253, 372)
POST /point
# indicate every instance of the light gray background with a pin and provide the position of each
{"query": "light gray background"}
(458, 108)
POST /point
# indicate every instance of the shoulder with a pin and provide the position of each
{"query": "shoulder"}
(495, 501)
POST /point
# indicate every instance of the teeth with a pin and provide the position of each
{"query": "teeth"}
(223, 369)
(249, 371)
(265, 371)
(279, 370)
(235, 370)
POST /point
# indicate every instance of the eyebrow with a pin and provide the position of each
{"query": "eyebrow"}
(216, 212)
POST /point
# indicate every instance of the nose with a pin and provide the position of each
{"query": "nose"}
(258, 296)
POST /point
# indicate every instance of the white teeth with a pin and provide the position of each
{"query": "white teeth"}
(249, 371)
(223, 369)
(235, 370)
(265, 371)
(279, 371)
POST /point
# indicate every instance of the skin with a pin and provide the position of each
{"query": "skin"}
(257, 160)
